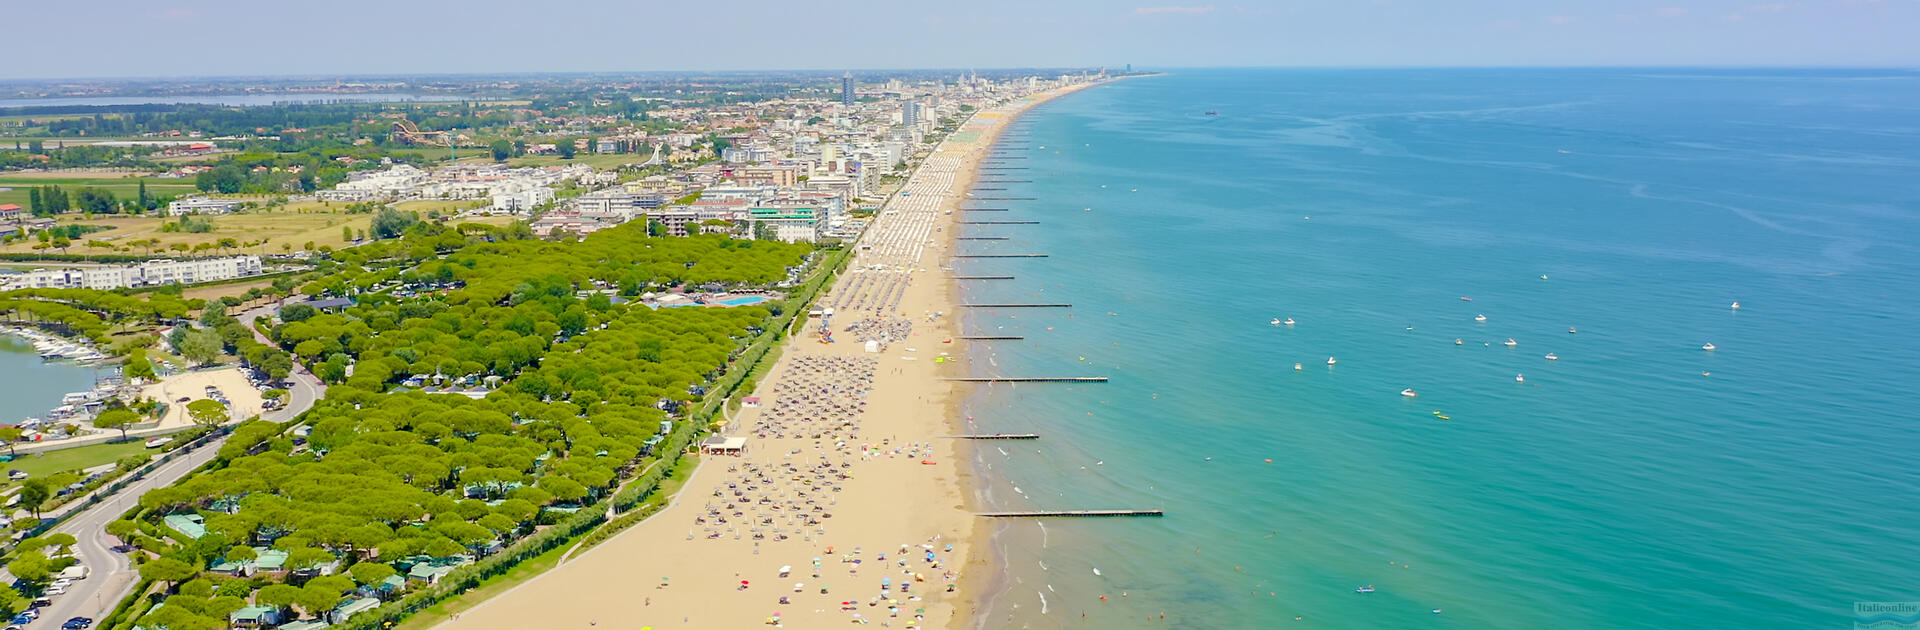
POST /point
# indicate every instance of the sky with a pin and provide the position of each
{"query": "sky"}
(172, 38)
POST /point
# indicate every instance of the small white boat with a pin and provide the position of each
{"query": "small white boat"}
(1543, 276)
(1519, 378)
(1553, 357)
(1479, 318)
(1571, 331)
(1408, 392)
(1465, 299)
(1736, 306)
(1708, 347)
(1330, 361)
(1096, 570)
(1459, 342)
(1275, 322)
(1510, 342)
(1296, 367)
(1134, 190)
(1289, 321)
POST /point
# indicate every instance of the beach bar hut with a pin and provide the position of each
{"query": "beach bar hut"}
(717, 445)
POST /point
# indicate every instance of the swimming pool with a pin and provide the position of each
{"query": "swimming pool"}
(742, 300)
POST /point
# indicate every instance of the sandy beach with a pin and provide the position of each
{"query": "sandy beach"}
(246, 401)
(846, 481)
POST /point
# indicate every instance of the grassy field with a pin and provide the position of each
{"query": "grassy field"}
(121, 186)
(279, 227)
(40, 465)
(602, 161)
(423, 206)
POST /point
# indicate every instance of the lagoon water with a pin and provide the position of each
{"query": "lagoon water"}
(29, 386)
(1636, 482)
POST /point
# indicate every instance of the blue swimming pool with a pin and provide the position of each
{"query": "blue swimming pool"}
(742, 300)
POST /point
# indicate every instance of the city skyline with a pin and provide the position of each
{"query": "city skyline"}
(489, 36)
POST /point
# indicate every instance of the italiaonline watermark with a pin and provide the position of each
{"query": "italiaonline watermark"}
(1886, 615)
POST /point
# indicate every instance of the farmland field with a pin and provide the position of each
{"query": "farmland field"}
(118, 183)
(276, 228)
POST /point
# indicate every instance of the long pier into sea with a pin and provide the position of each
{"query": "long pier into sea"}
(1000, 256)
(1026, 379)
(1018, 305)
(983, 210)
(1070, 513)
(999, 223)
(1006, 181)
(1003, 198)
(996, 436)
(980, 238)
(990, 337)
(982, 277)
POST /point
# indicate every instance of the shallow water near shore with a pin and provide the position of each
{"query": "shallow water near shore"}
(1636, 481)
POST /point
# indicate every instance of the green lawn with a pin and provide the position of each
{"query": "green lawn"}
(121, 187)
(39, 465)
(602, 161)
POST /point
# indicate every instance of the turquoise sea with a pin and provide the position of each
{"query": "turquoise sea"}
(1638, 481)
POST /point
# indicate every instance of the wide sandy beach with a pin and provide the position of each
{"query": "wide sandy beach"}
(847, 479)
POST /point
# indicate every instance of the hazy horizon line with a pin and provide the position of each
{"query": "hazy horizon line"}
(1000, 69)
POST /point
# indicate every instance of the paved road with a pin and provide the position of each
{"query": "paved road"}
(113, 576)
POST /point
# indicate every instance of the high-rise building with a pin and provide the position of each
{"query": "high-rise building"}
(909, 113)
(846, 89)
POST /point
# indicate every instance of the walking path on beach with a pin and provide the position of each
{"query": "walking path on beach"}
(845, 481)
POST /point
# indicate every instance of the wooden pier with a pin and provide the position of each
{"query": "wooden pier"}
(988, 189)
(1006, 198)
(1000, 256)
(1006, 181)
(1005, 168)
(983, 209)
(1017, 305)
(990, 337)
(1070, 513)
(980, 238)
(999, 223)
(997, 436)
(982, 278)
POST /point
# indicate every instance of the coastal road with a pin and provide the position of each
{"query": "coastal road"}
(112, 575)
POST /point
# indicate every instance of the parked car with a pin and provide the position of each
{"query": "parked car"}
(77, 623)
(21, 620)
(17, 474)
(53, 591)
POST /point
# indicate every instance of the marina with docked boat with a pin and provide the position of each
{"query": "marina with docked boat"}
(52, 380)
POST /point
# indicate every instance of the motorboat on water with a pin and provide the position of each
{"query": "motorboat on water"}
(1736, 306)
(1459, 342)
(1296, 367)
(1510, 342)
(1708, 347)
(1479, 318)
(1465, 299)
(1571, 331)
(1408, 392)
(1289, 321)
(1519, 378)
(1275, 322)
(1553, 357)
(1330, 361)
(1364, 589)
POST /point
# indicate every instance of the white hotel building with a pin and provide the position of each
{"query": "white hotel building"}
(149, 273)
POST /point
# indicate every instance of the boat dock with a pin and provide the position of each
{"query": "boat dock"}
(996, 436)
(1026, 379)
(1070, 513)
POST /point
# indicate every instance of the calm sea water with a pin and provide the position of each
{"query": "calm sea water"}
(30, 387)
(1636, 482)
